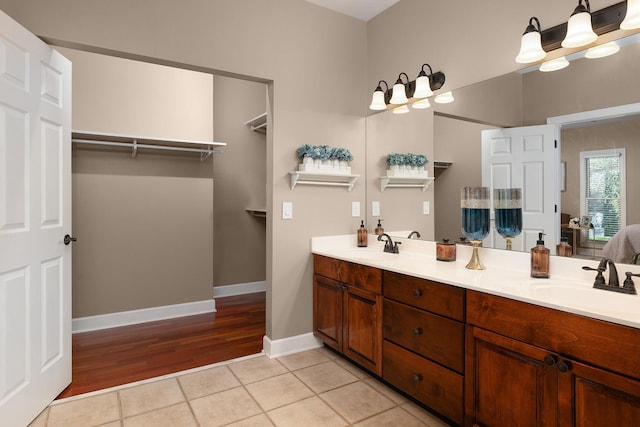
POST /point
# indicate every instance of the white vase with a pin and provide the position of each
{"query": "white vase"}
(307, 161)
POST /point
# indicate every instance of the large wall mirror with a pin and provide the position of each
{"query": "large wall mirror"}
(451, 134)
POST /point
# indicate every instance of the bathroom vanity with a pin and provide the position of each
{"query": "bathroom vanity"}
(482, 348)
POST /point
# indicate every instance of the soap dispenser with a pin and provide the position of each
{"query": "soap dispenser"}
(362, 236)
(540, 259)
(379, 229)
(564, 248)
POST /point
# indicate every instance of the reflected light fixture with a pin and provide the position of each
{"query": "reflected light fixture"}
(423, 83)
(632, 18)
(399, 94)
(531, 44)
(579, 29)
(422, 104)
(403, 109)
(379, 101)
(602, 50)
(444, 98)
(554, 64)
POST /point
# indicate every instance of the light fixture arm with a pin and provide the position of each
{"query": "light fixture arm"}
(531, 27)
(581, 8)
(423, 73)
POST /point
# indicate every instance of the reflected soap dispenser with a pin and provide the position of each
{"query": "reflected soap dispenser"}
(540, 259)
(362, 236)
(379, 229)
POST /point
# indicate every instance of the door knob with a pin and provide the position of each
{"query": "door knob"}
(68, 239)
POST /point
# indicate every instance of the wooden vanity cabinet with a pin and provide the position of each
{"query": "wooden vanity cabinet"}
(347, 310)
(532, 366)
(423, 341)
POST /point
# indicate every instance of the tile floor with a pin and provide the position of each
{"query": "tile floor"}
(312, 388)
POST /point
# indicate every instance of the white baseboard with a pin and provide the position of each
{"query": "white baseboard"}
(123, 318)
(239, 289)
(285, 346)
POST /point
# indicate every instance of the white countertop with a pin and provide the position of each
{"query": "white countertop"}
(507, 274)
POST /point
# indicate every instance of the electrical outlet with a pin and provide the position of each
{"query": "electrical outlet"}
(375, 208)
(425, 207)
(355, 209)
(287, 210)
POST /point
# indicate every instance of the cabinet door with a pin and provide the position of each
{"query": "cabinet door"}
(327, 311)
(592, 397)
(363, 328)
(509, 383)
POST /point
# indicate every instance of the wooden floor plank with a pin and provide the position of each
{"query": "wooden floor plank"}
(115, 356)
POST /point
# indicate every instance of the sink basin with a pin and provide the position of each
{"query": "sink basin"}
(581, 296)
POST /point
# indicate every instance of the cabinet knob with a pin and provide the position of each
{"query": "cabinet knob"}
(417, 293)
(563, 367)
(417, 331)
(416, 378)
(549, 360)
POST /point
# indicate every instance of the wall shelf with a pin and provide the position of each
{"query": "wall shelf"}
(329, 179)
(405, 182)
(258, 123)
(204, 148)
(441, 164)
(260, 213)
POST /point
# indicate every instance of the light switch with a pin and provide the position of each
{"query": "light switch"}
(287, 210)
(425, 207)
(375, 208)
(355, 209)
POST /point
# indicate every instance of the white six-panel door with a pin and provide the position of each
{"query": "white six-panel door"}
(527, 158)
(35, 214)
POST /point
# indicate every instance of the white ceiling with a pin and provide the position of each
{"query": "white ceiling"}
(360, 9)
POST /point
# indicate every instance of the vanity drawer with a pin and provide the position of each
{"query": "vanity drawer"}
(357, 275)
(436, 297)
(434, 385)
(430, 335)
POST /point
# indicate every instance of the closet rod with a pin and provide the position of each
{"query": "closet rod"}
(204, 153)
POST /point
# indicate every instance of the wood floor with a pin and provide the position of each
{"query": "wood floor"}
(116, 356)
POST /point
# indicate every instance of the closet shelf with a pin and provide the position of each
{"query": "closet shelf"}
(260, 213)
(205, 148)
(258, 124)
(405, 182)
(329, 179)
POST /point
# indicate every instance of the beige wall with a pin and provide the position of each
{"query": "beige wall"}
(617, 134)
(239, 254)
(317, 96)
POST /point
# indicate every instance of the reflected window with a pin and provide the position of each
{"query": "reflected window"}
(602, 191)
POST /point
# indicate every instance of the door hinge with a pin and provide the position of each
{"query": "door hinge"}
(555, 208)
(555, 143)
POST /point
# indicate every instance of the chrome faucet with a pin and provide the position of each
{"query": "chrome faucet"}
(389, 246)
(614, 284)
(414, 233)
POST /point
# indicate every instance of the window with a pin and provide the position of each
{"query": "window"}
(602, 191)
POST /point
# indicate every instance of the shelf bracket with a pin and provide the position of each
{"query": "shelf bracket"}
(134, 149)
(204, 155)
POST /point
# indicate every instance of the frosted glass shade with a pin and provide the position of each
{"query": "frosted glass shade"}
(530, 48)
(403, 109)
(554, 64)
(377, 101)
(579, 31)
(399, 95)
(632, 18)
(444, 98)
(422, 104)
(602, 50)
(423, 87)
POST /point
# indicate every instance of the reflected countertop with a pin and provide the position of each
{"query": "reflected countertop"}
(569, 287)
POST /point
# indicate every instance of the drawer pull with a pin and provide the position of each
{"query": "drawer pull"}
(417, 331)
(416, 378)
(563, 367)
(417, 293)
(549, 360)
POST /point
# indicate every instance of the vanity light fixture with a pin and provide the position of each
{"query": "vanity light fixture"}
(531, 44)
(444, 98)
(402, 109)
(404, 92)
(579, 29)
(399, 92)
(632, 18)
(379, 99)
(602, 50)
(554, 64)
(422, 104)
(423, 83)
